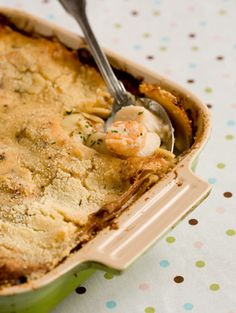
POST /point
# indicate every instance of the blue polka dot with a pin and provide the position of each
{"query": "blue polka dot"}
(157, 1)
(203, 23)
(165, 39)
(188, 306)
(111, 304)
(231, 123)
(164, 263)
(192, 65)
(137, 47)
(211, 180)
(51, 16)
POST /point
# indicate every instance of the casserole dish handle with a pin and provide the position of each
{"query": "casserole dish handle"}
(158, 210)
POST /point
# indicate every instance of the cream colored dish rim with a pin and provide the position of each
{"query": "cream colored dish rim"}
(158, 209)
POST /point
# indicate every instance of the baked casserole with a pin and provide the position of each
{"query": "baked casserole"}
(62, 178)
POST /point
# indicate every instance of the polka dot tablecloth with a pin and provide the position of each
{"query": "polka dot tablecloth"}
(192, 42)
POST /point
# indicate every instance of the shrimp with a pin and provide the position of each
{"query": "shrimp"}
(126, 138)
(134, 132)
(138, 113)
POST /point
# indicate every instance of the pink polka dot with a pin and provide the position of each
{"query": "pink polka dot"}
(168, 72)
(220, 210)
(191, 8)
(173, 24)
(115, 40)
(234, 105)
(225, 75)
(216, 37)
(198, 244)
(143, 286)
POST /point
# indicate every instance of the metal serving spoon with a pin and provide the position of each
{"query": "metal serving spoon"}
(77, 8)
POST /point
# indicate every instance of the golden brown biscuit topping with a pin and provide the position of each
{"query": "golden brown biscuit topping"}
(55, 172)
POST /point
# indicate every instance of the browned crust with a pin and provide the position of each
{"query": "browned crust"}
(144, 172)
(14, 272)
(179, 118)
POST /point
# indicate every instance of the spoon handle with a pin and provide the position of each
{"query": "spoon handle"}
(77, 8)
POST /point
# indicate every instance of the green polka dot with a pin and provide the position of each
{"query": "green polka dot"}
(221, 165)
(108, 275)
(208, 90)
(222, 12)
(170, 239)
(214, 287)
(156, 13)
(149, 309)
(163, 48)
(117, 25)
(229, 137)
(200, 263)
(195, 48)
(146, 35)
(230, 232)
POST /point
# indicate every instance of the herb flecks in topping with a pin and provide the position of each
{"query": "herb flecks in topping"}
(68, 112)
(96, 142)
(141, 112)
(92, 143)
(88, 125)
(2, 156)
(83, 138)
(114, 131)
(20, 134)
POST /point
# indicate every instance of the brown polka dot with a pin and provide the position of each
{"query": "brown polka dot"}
(190, 81)
(193, 221)
(220, 58)
(80, 290)
(192, 35)
(178, 279)
(134, 13)
(21, 280)
(227, 194)
(150, 57)
(209, 105)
